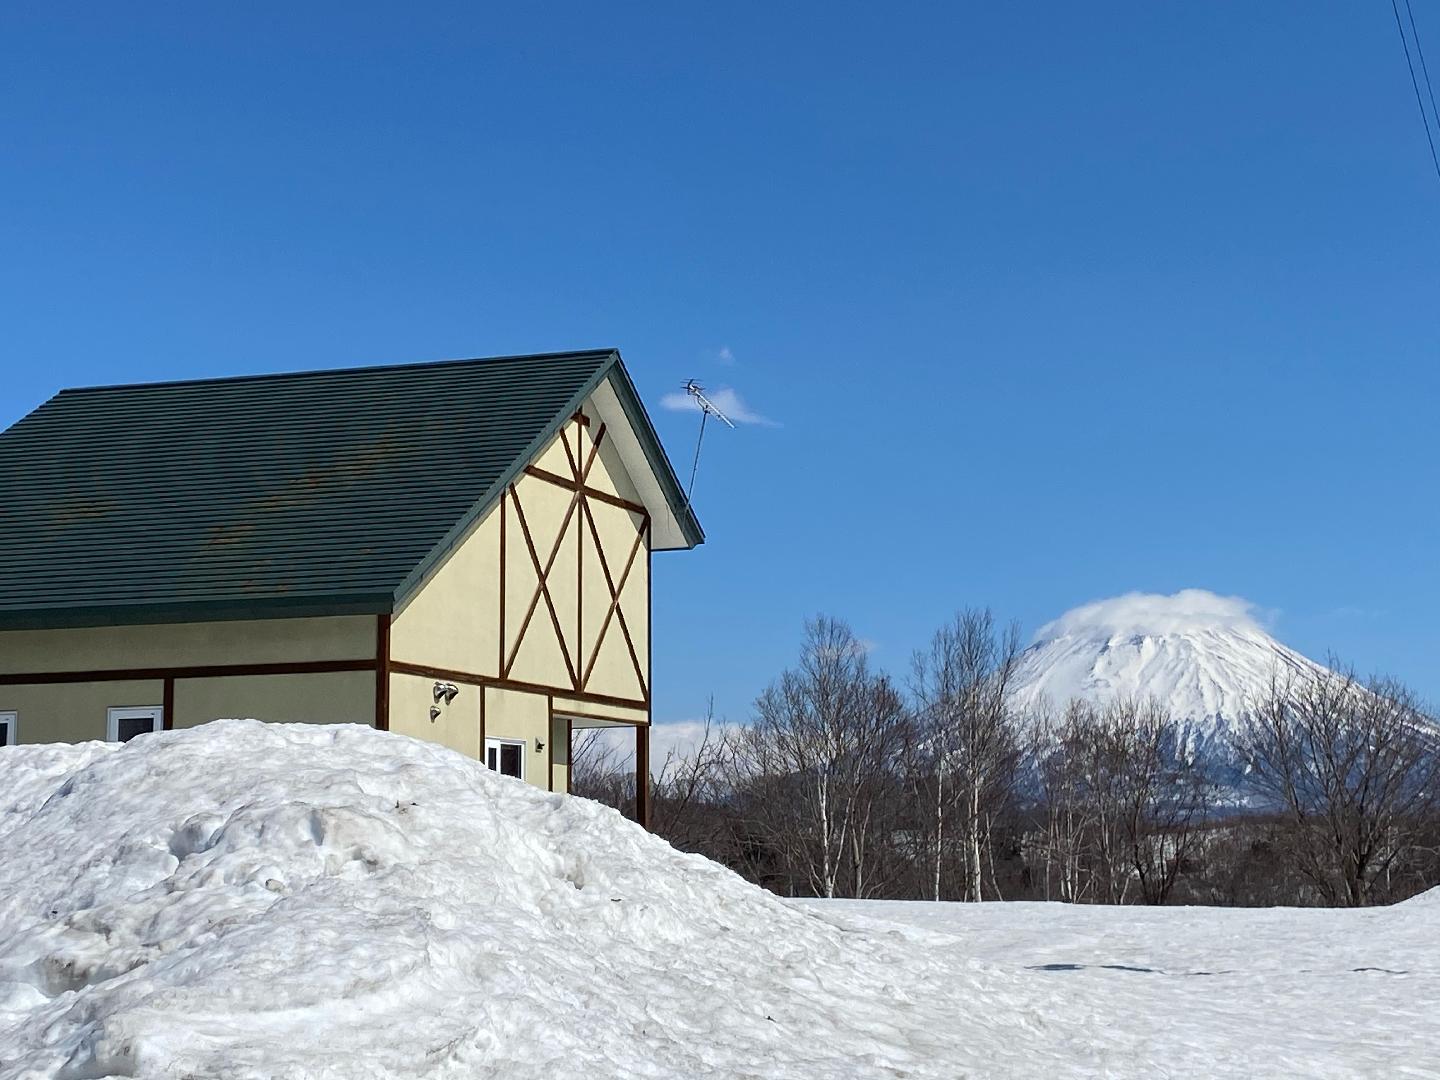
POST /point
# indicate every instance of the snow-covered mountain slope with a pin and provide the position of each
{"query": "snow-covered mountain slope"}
(248, 900)
(1204, 656)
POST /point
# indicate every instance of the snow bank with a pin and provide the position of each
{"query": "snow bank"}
(251, 900)
(286, 900)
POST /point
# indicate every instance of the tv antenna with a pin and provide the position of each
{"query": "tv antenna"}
(707, 409)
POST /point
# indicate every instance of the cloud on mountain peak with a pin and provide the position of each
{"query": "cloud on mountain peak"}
(1139, 613)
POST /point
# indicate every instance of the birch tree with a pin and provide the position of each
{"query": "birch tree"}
(1124, 803)
(1065, 807)
(816, 760)
(1164, 795)
(961, 685)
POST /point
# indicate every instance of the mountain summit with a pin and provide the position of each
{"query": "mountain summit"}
(1206, 657)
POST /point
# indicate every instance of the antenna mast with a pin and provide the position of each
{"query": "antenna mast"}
(707, 410)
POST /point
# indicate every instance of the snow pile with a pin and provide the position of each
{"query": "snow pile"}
(1204, 656)
(251, 900)
(262, 900)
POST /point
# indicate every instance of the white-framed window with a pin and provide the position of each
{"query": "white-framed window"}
(123, 723)
(506, 756)
(9, 729)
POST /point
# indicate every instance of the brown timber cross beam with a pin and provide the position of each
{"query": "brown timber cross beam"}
(544, 568)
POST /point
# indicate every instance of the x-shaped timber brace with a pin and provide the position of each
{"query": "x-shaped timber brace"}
(581, 496)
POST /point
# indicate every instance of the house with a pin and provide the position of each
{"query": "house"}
(457, 551)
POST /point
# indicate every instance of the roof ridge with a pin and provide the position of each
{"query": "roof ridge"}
(568, 354)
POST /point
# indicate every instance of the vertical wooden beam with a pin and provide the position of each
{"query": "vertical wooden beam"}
(549, 742)
(642, 774)
(482, 722)
(649, 684)
(167, 706)
(642, 734)
(504, 572)
(569, 751)
(580, 574)
(382, 673)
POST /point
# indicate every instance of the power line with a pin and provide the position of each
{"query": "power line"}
(1415, 82)
(1420, 52)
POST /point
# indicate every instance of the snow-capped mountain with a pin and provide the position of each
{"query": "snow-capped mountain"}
(1204, 656)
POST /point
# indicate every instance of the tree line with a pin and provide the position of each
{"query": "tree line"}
(846, 783)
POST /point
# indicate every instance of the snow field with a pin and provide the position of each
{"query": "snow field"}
(256, 900)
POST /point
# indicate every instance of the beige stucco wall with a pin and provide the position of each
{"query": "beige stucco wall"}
(540, 658)
(512, 714)
(554, 459)
(332, 697)
(73, 712)
(588, 710)
(348, 637)
(614, 671)
(457, 726)
(609, 474)
(454, 621)
(560, 755)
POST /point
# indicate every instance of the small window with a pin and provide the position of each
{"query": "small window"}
(122, 725)
(8, 735)
(506, 756)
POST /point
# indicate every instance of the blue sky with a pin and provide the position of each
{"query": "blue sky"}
(1045, 304)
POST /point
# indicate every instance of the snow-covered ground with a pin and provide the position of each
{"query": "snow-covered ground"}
(251, 900)
(1198, 992)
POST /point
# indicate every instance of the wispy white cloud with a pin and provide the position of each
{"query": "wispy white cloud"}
(726, 399)
(1155, 613)
(724, 355)
(680, 738)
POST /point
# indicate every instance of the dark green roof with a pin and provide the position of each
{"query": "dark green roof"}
(322, 492)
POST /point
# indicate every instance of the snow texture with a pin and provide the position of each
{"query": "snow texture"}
(254, 900)
(1206, 657)
(1194, 991)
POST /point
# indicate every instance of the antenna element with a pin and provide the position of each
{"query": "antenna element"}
(707, 410)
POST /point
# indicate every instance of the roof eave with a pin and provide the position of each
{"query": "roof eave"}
(659, 461)
(639, 420)
(230, 609)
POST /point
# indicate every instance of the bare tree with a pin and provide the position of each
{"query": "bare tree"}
(1164, 791)
(1353, 766)
(1124, 802)
(690, 787)
(1102, 747)
(814, 761)
(1059, 752)
(961, 685)
(688, 791)
(600, 768)
(839, 788)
